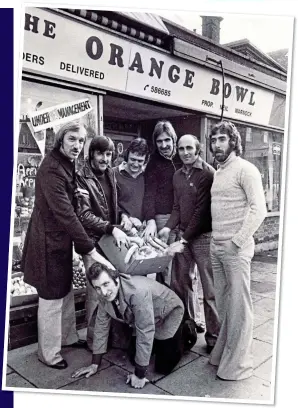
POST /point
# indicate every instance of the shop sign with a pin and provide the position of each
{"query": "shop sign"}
(59, 114)
(60, 47)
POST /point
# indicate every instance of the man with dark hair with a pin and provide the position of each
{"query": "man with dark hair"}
(155, 312)
(48, 249)
(238, 208)
(192, 214)
(130, 182)
(97, 208)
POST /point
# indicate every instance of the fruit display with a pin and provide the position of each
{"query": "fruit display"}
(19, 287)
(79, 275)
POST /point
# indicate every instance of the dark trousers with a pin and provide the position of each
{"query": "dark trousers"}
(168, 352)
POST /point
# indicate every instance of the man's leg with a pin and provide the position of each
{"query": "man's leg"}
(49, 319)
(237, 360)
(183, 283)
(221, 299)
(91, 303)
(200, 248)
(69, 331)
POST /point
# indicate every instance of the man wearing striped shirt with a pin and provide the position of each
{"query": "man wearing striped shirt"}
(238, 208)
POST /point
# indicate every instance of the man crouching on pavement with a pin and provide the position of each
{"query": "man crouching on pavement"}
(153, 309)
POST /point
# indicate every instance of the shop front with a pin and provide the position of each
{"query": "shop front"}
(130, 85)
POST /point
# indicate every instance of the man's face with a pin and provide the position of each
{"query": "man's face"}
(220, 146)
(165, 144)
(106, 287)
(135, 162)
(187, 150)
(72, 144)
(101, 160)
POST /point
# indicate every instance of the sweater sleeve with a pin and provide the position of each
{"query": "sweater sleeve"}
(251, 182)
(174, 219)
(150, 192)
(203, 204)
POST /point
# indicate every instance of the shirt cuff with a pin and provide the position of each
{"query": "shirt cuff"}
(140, 371)
(96, 359)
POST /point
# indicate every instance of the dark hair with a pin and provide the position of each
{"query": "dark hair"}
(197, 143)
(74, 126)
(229, 129)
(164, 126)
(101, 144)
(138, 146)
(96, 270)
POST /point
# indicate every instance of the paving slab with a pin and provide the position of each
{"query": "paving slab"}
(200, 346)
(261, 352)
(267, 289)
(112, 379)
(259, 320)
(119, 358)
(256, 297)
(264, 371)
(264, 276)
(8, 370)
(265, 307)
(14, 380)
(198, 379)
(24, 360)
(264, 267)
(265, 332)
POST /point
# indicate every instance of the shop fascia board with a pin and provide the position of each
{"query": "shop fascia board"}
(31, 75)
(200, 56)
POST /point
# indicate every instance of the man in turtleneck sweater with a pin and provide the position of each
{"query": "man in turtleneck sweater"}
(97, 207)
(238, 208)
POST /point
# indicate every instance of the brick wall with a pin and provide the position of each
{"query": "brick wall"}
(266, 237)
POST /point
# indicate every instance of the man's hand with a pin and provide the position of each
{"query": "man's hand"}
(150, 230)
(120, 237)
(136, 222)
(87, 371)
(94, 256)
(135, 381)
(164, 234)
(126, 223)
(231, 248)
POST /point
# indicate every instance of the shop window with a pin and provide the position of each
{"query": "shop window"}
(36, 96)
(264, 150)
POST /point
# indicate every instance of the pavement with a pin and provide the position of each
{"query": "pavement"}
(193, 377)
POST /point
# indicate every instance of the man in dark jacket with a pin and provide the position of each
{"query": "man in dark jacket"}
(97, 208)
(48, 248)
(155, 312)
(192, 213)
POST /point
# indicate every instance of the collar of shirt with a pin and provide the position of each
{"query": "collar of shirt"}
(122, 169)
(198, 164)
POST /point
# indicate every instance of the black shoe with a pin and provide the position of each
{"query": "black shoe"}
(61, 365)
(209, 348)
(200, 328)
(78, 344)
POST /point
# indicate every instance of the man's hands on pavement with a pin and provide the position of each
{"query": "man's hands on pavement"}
(164, 234)
(120, 237)
(86, 371)
(150, 230)
(135, 381)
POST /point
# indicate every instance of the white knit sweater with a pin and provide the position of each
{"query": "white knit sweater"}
(238, 204)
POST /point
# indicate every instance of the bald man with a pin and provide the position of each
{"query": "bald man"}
(192, 213)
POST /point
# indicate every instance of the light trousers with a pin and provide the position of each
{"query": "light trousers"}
(56, 327)
(231, 271)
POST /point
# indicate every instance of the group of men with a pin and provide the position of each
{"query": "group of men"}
(213, 214)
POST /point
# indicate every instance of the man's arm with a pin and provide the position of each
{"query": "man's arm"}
(85, 212)
(101, 333)
(174, 219)
(251, 182)
(203, 204)
(150, 192)
(63, 211)
(142, 308)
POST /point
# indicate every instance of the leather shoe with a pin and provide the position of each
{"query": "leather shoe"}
(200, 328)
(79, 344)
(61, 365)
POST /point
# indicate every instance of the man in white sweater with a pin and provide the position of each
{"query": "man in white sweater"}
(238, 208)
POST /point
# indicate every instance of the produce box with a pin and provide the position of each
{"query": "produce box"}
(136, 266)
(27, 296)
